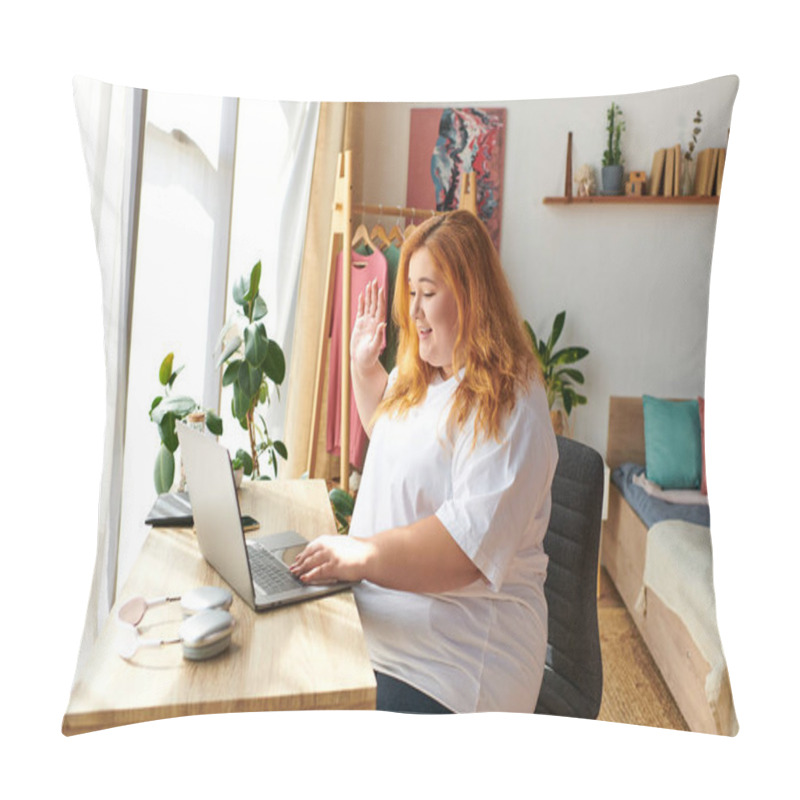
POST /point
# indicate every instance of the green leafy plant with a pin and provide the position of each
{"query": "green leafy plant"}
(254, 366)
(558, 375)
(165, 410)
(696, 131)
(613, 152)
(343, 505)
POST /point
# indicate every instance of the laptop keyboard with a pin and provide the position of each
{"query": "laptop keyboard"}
(269, 572)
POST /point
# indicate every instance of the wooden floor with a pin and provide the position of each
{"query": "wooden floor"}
(633, 690)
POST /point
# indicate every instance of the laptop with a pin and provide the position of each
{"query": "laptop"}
(257, 569)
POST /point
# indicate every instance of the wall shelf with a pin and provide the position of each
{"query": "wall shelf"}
(622, 198)
(569, 198)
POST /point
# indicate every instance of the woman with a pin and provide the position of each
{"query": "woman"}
(446, 535)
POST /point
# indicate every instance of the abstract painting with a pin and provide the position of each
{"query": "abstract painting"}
(447, 143)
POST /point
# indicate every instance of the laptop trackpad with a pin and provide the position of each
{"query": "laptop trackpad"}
(288, 554)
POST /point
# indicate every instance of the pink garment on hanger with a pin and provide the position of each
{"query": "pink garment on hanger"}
(374, 266)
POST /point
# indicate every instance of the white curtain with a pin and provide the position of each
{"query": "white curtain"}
(303, 120)
(272, 229)
(109, 123)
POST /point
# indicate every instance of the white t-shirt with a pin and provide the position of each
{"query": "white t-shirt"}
(481, 648)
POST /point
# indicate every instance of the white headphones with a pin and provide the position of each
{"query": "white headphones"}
(204, 633)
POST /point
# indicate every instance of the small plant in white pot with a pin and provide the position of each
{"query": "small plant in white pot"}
(165, 411)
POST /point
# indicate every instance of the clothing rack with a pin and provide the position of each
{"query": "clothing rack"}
(341, 238)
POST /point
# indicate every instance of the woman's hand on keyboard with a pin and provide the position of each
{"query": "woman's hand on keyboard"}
(329, 559)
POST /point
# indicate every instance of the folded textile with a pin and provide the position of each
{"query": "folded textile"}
(686, 497)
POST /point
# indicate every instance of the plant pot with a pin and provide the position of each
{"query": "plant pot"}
(612, 179)
(238, 474)
(560, 421)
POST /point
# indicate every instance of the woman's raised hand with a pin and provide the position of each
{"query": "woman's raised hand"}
(366, 338)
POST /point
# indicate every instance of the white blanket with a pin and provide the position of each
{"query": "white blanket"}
(678, 568)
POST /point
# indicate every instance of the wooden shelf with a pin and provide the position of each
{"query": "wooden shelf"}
(622, 198)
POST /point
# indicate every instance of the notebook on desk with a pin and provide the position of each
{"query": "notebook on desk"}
(256, 569)
(174, 510)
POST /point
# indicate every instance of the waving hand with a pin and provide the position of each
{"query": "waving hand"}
(366, 339)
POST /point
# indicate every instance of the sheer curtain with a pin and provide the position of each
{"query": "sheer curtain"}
(109, 118)
(140, 313)
(276, 147)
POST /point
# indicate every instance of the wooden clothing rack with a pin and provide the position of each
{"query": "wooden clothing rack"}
(341, 239)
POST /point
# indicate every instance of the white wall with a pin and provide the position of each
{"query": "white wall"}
(634, 280)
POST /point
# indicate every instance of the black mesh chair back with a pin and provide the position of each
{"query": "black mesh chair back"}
(573, 675)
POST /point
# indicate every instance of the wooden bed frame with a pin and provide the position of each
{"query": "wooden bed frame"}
(681, 663)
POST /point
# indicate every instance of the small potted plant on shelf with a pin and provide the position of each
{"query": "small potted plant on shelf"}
(612, 173)
(558, 374)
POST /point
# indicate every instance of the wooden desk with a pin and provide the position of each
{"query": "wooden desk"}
(310, 655)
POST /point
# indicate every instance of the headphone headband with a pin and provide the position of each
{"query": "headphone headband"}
(205, 632)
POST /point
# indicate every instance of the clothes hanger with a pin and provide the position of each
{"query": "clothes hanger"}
(379, 232)
(411, 226)
(396, 235)
(362, 234)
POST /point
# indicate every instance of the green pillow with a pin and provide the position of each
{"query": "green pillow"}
(672, 442)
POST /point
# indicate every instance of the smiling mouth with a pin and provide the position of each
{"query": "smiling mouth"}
(423, 332)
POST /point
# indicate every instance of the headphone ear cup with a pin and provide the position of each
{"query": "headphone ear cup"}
(206, 634)
(204, 598)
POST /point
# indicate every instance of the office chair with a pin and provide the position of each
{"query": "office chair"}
(573, 675)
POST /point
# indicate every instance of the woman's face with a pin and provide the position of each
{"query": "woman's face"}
(433, 311)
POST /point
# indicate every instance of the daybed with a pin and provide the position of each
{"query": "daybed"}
(662, 570)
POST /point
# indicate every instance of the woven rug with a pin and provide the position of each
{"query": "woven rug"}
(633, 690)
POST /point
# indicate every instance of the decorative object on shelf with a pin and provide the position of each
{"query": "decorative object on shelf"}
(689, 163)
(636, 184)
(585, 181)
(612, 157)
(252, 362)
(165, 410)
(558, 376)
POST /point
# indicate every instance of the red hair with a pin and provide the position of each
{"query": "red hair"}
(491, 345)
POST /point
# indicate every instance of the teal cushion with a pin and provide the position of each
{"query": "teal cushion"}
(673, 449)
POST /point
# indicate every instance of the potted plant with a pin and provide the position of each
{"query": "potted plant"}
(612, 157)
(558, 375)
(165, 410)
(343, 504)
(689, 163)
(253, 364)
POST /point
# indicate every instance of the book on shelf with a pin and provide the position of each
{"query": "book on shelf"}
(657, 173)
(669, 173)
(712, 172)
(720, 170)
(676, 189)
(701, 174)
(710, 166)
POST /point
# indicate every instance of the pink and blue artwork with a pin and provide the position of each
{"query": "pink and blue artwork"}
(448, 143)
